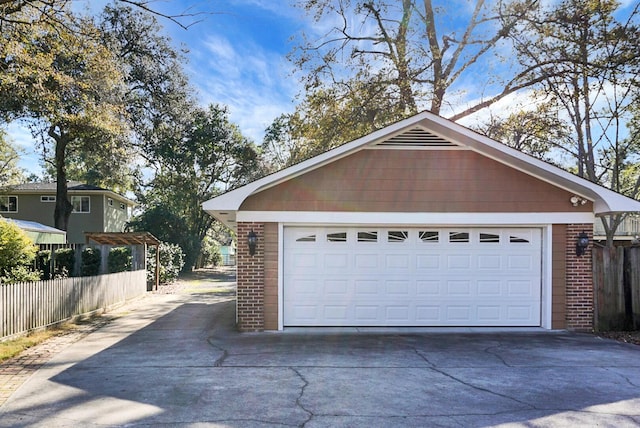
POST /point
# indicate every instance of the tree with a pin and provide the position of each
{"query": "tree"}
(588, 55)
(324, 120)
(10, 173)
(69, 86)
(535, 132)
(208, 156)
(385, 60)
(406, 50)
(53, 12)
(17, 253)
(158, 92)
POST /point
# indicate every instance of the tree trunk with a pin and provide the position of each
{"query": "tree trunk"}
(63, 207)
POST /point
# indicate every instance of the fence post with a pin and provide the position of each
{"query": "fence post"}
(634, 283)
(104, 257)
(77, 265)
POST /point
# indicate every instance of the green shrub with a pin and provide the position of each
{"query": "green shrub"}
(171, 262)
(42, 263)
(119, 259)
(209, 254)
(17, 254)
(65, 261)
(90, 262)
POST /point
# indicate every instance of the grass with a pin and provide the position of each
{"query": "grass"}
(11, 348)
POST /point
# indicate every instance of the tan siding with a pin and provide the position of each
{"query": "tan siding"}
(414, 181)
(271, 276)
(558, 279)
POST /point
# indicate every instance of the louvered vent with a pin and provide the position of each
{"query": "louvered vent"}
(416, 137)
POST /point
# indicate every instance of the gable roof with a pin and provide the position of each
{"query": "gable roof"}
(427, 130)
(72, 187)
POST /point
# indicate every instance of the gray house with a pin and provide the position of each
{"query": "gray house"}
(95, 209)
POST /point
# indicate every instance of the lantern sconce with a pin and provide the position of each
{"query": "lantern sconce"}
(252, 241)
(582, 243)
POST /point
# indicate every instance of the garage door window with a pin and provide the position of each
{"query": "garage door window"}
(337, 237)
(458, 237)
(518, 240)
(308, 238)
(428, 236)
(368, 236)
(489, 238)
(397, 235)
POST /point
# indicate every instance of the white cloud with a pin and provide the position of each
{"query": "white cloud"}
(253, 82)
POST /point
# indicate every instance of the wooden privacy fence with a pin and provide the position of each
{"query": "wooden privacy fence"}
(616, 281)
(26, 306)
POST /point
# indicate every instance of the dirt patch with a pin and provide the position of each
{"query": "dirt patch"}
(622, 336)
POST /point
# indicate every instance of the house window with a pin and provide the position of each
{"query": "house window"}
(122, 207)
(8, 204)
(110, 202)
(47, 198)
(80, 204)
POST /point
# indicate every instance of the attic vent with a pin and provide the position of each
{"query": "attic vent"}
(416, 137)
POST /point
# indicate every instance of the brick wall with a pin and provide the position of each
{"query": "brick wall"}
(579, 280)
(250, 279)
(271, 276)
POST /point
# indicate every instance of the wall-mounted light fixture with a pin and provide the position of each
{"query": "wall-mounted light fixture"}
(582, 243)
(252, 241)
(577, 200)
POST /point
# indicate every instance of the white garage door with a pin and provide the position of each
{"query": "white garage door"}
(411, 277)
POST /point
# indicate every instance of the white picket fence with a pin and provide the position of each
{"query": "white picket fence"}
(26, 306)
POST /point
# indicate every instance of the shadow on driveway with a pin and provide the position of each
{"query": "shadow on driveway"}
(177, 361)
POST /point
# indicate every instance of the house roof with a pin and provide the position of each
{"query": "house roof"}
(72, 187)
(33, 226)
(427, 130)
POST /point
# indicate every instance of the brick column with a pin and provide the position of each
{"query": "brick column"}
(579, 280)
(250, 279)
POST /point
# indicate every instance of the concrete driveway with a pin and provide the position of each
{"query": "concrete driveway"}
(174, 360)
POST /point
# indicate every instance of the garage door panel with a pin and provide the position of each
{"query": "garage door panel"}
(412, 276)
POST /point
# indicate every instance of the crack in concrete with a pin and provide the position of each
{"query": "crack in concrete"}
(478, 388)
(299, 398)
(220, 361)
(490, 351)
(622, 376)
(424, 357)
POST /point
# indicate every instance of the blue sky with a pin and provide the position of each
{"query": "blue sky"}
(237, 58)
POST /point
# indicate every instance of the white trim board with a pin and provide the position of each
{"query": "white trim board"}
(418, 219)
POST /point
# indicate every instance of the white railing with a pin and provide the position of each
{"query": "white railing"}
(630, 226)
(25, 306)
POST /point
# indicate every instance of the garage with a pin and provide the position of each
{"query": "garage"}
(419, 276)
(421, 223)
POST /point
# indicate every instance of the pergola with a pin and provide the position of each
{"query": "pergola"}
(128, 238)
